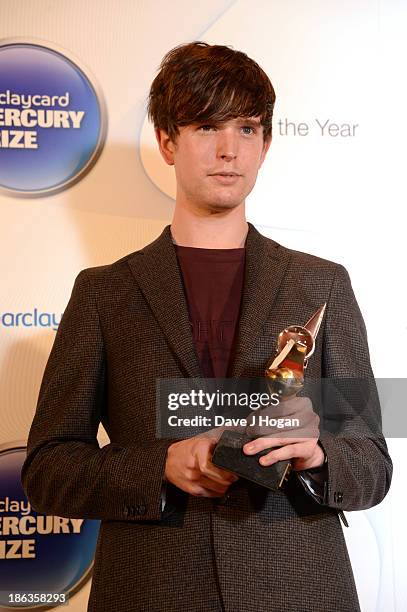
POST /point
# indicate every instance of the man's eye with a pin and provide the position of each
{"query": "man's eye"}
(207, 127)
(249, 128)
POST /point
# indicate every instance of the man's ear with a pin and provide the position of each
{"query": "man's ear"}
(266, 146)
(166, 146)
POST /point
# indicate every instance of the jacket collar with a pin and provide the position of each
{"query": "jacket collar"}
(158, 275)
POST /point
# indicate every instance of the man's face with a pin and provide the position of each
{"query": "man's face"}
(216, 165)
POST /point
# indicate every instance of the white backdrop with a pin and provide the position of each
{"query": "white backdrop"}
(337, 196)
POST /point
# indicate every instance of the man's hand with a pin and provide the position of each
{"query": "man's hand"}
(189, 468)
(300, 443)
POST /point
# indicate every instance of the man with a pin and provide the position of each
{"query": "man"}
(206, 298)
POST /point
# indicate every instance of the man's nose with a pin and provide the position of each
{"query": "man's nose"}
(227, 145)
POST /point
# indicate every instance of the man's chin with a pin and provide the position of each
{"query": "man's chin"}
(222, 206)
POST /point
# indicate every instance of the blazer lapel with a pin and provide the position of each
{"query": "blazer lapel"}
(266, 264)
(156, 271)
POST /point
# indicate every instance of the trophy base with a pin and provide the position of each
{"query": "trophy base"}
(228, 454)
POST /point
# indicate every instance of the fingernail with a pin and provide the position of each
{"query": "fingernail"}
(249, 448)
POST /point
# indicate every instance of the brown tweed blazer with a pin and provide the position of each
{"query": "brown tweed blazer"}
(125, 325)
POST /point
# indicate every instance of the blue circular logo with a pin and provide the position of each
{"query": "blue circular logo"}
(39, 554)
(52, 120)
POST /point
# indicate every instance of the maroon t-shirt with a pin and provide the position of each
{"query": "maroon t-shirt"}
(213, 282)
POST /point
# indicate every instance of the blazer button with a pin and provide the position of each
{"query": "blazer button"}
(126, 511)
(338, 497)
(141, 509)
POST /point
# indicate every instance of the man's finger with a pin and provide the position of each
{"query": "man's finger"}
(217, 474)
(303, 450)
(200, 491)
(260, 424)
(255, 446)
(213, 486)
(208, 469)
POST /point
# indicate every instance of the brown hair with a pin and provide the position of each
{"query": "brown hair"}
(200, 82)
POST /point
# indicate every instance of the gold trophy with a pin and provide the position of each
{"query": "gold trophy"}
(285, 376)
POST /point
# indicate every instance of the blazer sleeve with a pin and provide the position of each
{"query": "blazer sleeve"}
(66, 473)
(359, 465)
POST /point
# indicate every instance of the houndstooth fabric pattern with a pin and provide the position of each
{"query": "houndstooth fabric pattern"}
(125, 325)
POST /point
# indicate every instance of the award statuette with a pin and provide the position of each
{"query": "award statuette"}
(285, 376)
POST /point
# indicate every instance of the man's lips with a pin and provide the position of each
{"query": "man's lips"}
(225, 178)
(225, 174)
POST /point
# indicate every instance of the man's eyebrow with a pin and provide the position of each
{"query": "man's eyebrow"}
(250, 122)
(239, 120)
